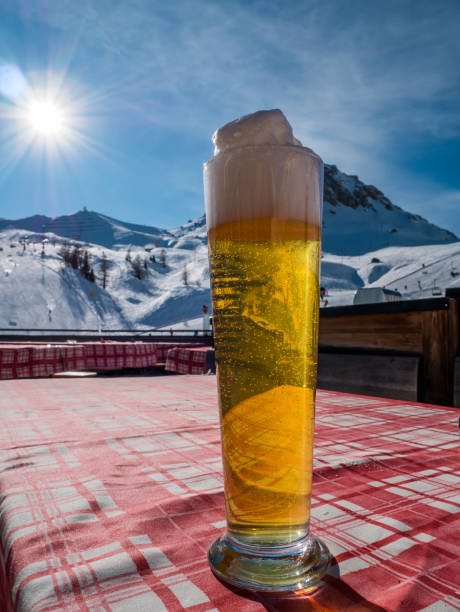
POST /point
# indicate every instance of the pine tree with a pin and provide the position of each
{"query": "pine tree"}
(185, 275)
(128, 254)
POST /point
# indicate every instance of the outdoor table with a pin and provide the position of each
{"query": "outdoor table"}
(32, 360)
(111, 355)
(192, 360)
(111, 492)
(164, 347)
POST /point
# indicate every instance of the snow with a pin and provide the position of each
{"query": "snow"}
(41, 292)
(413, 271)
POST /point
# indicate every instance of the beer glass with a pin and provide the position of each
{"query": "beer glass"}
(263, 207)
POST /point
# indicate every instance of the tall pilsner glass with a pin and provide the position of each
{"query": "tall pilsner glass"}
(264, 206)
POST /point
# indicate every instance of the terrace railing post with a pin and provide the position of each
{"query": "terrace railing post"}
(437, 363)
(453, 293)
(454, 344)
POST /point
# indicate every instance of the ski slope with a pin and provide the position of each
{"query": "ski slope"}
(40, 292)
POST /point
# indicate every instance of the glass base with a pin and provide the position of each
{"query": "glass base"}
(294, 568)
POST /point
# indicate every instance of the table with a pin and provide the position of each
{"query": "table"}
(110, 355)
(192, 360)
(31, 360)
(111, 492)
(163, 348)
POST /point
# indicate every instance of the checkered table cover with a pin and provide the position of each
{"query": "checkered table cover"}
(164, 347)
(28, 361)
(119, 355)
(111, 493)
(187, 360)
(73, 357)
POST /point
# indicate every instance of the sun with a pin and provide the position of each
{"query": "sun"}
(46, 118)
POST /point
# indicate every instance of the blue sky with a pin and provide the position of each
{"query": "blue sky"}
(372, 86)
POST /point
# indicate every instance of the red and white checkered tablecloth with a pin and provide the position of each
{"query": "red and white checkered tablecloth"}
(28, 361)
(73, 357)
(119, 355)
(187, 360)
(164, 347)
(111, 492)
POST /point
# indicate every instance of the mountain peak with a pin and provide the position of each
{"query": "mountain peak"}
(358, 218)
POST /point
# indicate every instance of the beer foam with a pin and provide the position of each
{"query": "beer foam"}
(261, 171)
(265, 127)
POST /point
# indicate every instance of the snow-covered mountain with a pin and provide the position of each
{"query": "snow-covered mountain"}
(357, 218)
(367, 241)
(88, 226)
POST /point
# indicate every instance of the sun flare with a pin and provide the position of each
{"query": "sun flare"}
(46, 118)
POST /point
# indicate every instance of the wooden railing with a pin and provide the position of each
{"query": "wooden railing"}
(405, 350)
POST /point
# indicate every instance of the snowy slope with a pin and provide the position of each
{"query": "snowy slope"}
(416, 272)
(41, 292)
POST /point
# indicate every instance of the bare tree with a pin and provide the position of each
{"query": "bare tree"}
(64, 252)
(138, 268)
(84, 265)
(76, 257)
(104, 268)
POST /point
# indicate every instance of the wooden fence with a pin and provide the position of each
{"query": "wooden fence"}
(405, 350)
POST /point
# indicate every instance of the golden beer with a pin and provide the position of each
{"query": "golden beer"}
(263, 194)
(265, 297)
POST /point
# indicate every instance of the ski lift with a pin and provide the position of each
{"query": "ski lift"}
(436, 291)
